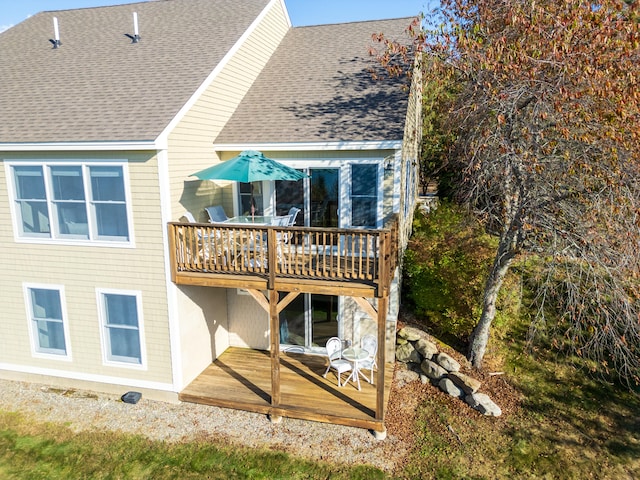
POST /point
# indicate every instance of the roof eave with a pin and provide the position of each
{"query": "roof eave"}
(310, 146)
(81, 146)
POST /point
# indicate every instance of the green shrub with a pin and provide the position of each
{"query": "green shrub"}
(445, 268)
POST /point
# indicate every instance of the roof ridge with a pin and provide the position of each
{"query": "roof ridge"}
(96, 7)
(356, 21)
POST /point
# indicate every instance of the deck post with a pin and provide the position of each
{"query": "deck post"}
(274, 335)
(384, 267)
(173, 264)
(383, 306)
(272, 257)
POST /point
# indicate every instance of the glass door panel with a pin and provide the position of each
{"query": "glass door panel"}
(364, 195)
(250, 195)
(293, 325)
(324, 197)
(324, 315)
(290, 194)
(309, 321)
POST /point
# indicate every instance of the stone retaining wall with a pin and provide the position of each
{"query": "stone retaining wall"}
(415, 348)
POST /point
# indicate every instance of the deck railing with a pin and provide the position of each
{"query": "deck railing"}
(357, 255)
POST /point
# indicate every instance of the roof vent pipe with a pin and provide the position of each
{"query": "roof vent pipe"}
(136, 36)
(56, 34)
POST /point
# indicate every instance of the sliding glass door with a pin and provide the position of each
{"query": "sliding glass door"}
(324, 197)
(309, 321)
(290, 194)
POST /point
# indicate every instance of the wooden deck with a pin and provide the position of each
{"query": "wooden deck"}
(241, 379)
(284, 258)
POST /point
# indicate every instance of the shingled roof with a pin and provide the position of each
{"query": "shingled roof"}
(318, 87)
(98, 86)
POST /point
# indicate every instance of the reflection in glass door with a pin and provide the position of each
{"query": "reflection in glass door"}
(324, 197)
(324, 319)
(290, 194)
(309, 321)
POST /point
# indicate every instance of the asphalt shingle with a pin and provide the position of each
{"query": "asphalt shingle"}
(318, 87)
(98, 86)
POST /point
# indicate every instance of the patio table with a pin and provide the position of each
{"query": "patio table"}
(247, 245)
(355, 355)
(258, 220)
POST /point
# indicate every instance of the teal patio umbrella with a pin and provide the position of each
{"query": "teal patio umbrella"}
(249, 166)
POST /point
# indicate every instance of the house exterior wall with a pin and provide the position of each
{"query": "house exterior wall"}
(411, 156)
(191, 141)
(204, 330)
(248, 322)
(81, 270)
(204, 319)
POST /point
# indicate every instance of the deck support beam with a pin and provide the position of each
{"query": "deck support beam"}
(380, 315)
(274, 326)
(383, 306)
(273, 308)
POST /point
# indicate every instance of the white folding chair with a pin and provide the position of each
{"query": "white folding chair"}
(336, 362)
(370, 344)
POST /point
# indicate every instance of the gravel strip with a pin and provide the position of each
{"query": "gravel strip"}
(83, 410)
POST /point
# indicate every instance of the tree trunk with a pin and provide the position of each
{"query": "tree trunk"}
(480, 335)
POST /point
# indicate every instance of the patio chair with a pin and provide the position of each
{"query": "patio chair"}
(189, 216)
(293, 213)
(336, 362)
(370, 344)
(206, 243)
(216, 214)
(282, 238)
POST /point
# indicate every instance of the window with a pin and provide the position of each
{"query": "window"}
(47, 320)
(31, 198)
(364, 195)
(71, 202)
(121, 320)
(250, 194)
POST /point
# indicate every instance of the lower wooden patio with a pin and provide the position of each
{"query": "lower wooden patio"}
(241, 379)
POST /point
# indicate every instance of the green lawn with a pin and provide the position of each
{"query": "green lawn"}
(558, 424)
(43, 451)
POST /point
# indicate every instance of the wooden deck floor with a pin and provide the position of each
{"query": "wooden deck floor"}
(241, 379)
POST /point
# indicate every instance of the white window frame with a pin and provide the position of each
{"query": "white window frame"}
(107, 357)
(379, 193)
(36, 349)
(344, 185)
(55, 237)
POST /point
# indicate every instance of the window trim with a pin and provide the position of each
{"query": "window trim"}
(379, 195)
(104, 340)
(343, 164)
(33, 340)
(85, 165)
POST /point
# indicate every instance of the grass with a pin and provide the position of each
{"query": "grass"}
(31, 450)
(560, 424)
(565, 425)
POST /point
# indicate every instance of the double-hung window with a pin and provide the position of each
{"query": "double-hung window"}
(83, 202)
(122, 334)
(47, 322)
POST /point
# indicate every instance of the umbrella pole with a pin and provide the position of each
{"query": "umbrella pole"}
(253, 206)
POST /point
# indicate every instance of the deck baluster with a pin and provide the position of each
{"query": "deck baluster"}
(341, 255)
